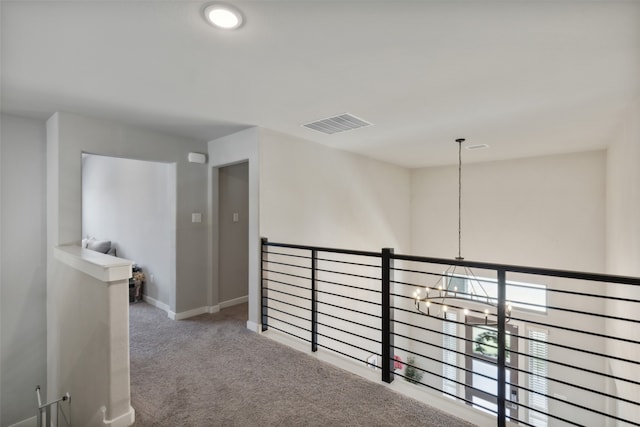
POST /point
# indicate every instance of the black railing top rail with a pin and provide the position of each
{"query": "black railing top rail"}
(540, 271)
(569, 274)
(321, 249)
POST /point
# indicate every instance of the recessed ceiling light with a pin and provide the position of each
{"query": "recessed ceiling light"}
(223, 16)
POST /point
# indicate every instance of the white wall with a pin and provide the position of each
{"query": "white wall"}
(22, 266)
(545, 211)
(623, 248)
(314, 195)
(132, 203)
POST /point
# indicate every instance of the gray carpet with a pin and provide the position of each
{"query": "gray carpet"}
(211, 371)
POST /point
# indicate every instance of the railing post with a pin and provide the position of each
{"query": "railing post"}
(502, 331)
(264, 295)
(314, 300)
(387, 316)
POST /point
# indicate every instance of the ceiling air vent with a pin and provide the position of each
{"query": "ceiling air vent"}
(477, 147)
(337, 124)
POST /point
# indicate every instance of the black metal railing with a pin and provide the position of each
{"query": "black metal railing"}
(545, 347)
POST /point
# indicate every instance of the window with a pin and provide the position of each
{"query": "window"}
(528, 296)
(538, 401)
(449, 355)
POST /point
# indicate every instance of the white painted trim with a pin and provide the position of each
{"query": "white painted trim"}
(182, 315)
(125, 420)
(154, 302)
(29, 422)
(253, 326)
(105, 268)
(232, 302)
(194, 312)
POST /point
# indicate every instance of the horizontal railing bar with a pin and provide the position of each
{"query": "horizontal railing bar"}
(345, 343)
(350, 274)
(594, 277)
(328, 282)
(407, 270)
(345, 354)
(606, 297)
(288, 333)
(287, 293)
(290, 275)
(290, 314)
(344, 296)
(424, 356)
(350, 263)
(283, 254)
(564, 328)
(322, 249)
(287, 264)
(287, 284)
(602, 316)
(349, 309)
(350, 321)
(348, 332)
(287, 323)
(287, 303)
(565, 420)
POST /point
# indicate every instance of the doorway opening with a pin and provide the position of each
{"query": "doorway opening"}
(233, 235)
(129, 211)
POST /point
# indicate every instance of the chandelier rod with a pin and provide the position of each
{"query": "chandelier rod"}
(460, 141)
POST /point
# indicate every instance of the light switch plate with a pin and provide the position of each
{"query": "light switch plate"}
(196, 217)
(236, 217)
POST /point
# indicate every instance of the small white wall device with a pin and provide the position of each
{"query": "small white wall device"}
(197, 158)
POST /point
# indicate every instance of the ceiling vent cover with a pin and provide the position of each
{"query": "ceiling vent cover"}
(337, 124)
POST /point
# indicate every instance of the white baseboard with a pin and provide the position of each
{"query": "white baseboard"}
(232, 302)
(125, 420)
(29, 422)
(253, 326)
(154, 302)
(194, 312)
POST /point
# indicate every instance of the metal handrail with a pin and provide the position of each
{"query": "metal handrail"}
(46, 408)
(385, 308)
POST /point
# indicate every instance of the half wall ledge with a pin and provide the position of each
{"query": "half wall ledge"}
(105, 268)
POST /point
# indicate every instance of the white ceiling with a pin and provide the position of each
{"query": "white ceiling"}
(527, 78)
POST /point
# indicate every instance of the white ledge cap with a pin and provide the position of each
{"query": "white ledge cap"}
(105, 268)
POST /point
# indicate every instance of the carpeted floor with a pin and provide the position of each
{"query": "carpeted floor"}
(211, 371)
